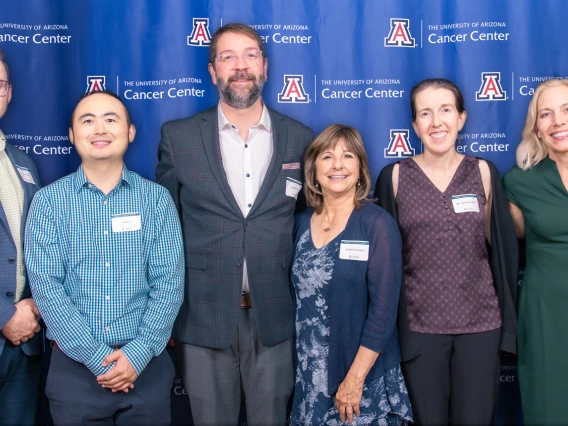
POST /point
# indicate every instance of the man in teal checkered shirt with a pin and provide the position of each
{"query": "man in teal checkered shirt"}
(105, 259)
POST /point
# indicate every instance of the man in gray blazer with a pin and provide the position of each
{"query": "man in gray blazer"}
(235, 172)
(20, 344)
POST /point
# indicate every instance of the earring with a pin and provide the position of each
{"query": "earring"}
(317, 184)
(359, 182)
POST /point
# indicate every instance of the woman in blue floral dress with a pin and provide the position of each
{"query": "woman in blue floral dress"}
(346, 274)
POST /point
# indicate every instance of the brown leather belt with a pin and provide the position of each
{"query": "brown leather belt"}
(245, 300)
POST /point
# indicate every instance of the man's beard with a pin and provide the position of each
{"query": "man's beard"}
(236, 100)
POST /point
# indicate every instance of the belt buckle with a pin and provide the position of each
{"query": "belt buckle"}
(245, 300)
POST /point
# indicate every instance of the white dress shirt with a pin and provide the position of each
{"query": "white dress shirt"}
(245, 162)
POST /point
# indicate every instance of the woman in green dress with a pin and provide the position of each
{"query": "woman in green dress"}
(538, 200)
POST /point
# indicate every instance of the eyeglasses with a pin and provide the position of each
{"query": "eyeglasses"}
(229, 60)
(4, 86)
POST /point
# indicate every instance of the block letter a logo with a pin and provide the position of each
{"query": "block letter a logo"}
(293, 90)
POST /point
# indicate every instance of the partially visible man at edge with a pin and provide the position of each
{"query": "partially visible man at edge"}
(105, 260)
(235, 172)
(20, 345)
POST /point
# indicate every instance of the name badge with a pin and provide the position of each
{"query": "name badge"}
(25, 174)
(126, 222)
(465, 203)
(354, 250)
(293, 187)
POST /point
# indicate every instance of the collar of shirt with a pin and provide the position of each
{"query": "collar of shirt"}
(263, 123)
(82, 182)
(2, 141)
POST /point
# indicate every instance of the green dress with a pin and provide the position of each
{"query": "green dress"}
(543, 299)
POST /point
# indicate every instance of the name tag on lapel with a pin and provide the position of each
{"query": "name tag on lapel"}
(354, 250)
(25, 174)
(293, 187)
(126, 222)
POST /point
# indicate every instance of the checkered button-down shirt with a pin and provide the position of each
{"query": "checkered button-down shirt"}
(97, 287)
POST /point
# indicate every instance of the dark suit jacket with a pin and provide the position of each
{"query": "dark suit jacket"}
(218, 238)
(8, 251)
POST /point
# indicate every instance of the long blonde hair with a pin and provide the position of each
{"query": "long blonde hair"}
(532, 150)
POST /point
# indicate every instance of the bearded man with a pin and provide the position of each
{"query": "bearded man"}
(235, 173)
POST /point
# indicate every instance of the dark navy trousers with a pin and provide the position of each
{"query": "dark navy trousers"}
(19, 386)
(75, 397)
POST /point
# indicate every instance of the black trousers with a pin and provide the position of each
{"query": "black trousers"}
(75, 397)
(455, 379)
(19, 386)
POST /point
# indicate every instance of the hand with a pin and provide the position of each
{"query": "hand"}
(121, 376)
(172, 343)
(30, 302)
(347, 399)
(24, 323)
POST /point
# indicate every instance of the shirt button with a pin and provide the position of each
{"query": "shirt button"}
(246, 145)
(9, 294)
(448, 219)
(107, 329)
(249, 204)
(239, 263)
(247, 175)
(107, 297)
(11, 260)
(446, 206)
(248, 222)
(443, 195)
(447, 212)
(106, 232)
(105, 202)
(107, 264)
(90, 186)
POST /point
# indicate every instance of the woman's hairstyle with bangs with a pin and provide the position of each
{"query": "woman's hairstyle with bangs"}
(326, 140)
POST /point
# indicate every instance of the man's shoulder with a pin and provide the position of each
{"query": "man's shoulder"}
(194, 120)
(60, 186)
(18, 154)
(289, 122)
(154, 191)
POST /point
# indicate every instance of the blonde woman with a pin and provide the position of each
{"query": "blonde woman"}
(538, 201)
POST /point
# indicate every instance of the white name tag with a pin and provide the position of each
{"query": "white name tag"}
(293, 187)
(354, 250)
(126, 222)
(25, 174)
(465, 203)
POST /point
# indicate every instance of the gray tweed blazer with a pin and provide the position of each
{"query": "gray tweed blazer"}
(218, 237)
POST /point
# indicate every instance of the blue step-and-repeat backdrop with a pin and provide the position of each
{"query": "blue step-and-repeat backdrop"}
(352, 62)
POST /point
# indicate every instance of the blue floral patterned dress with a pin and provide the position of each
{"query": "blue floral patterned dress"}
(385, 400)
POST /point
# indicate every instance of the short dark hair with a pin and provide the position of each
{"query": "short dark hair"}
(233, 28)
(329, 138)
(102, 92)
(436, 83)
(3, 61)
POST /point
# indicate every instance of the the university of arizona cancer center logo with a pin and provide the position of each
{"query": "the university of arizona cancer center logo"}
(95, 83)
(399, 34)
(293, 90)
(399, 145)
(490, 89)
(200, 35)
